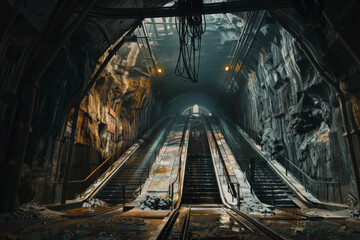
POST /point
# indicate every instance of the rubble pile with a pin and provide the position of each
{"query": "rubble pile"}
(354, 213)
(153, 202)
(94, 202)
(254, 206)
(28, 211)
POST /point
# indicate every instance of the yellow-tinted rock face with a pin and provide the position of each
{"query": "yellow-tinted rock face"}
(115, 110)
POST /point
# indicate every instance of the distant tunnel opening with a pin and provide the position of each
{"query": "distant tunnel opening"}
(200, 184)
(196, 110)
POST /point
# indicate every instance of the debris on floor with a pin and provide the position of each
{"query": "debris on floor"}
(153, 202)
(254, 206)
(128, 221)
(94, 202)
(324, 213)
(354, 212)
(28, 211)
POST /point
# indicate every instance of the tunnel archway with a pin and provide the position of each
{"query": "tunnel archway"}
(46, 126)
(196, 110)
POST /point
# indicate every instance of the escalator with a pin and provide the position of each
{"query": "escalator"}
(200, 185)
(126, 181)
(266, 184)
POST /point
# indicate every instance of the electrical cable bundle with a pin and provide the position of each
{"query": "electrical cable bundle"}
(190, 28)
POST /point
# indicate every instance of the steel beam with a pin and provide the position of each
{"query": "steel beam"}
(211, 8)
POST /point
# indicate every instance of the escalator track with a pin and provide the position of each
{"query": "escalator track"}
(122, 186)
(266, 184)
(200, 185)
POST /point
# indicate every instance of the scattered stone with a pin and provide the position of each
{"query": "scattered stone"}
(81, 233)
(94, 202)
(82, 225)
(253, 206)
(153, 202)
(128, 221)
(29, 211)
(354, 213)
(271, 141)
(105, 235)
(64, 235)
(9, 237)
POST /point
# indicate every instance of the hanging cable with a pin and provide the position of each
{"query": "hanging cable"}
(190, 28)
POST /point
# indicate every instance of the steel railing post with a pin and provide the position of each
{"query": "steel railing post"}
(124, 193)
(238, 195)
(252, 172)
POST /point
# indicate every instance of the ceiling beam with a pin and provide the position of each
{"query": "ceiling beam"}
(211, 8)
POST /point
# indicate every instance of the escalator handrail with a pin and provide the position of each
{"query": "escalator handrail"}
(172, 183)
(227, 175)
(114, 170)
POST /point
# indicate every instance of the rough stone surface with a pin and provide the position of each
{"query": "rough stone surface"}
(253, 206)
(94, 202)
(28, 211)
(279, 74)
(60, 87)
(153, 202)
(294, 111)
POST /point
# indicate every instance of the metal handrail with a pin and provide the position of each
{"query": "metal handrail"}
(309, 183)
(140, 133)
(171, 185)
(300, 175)
(296, 167)
(227, 175)
(303, 173)
(85, 179)
(93, 172)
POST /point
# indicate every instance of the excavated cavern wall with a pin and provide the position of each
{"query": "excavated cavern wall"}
(294, 110)
(325, 32)
(34, 112)
(118, 109)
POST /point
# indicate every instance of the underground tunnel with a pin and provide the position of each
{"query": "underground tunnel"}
(188, 119)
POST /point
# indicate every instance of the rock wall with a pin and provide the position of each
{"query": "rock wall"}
(293, 110)
(118, 109)
(39, 95)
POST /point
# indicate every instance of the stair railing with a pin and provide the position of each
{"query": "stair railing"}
(230, 184)
(311, 185)
(107, 160)
(178, 175)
